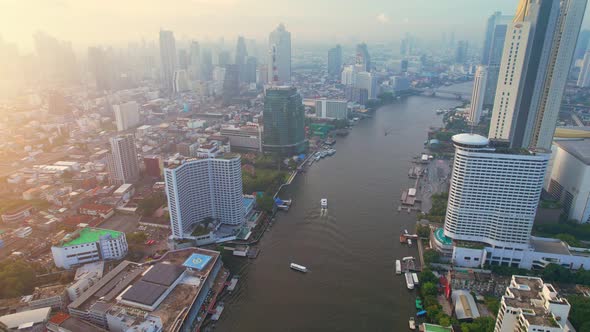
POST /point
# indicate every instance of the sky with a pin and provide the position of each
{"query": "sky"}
(105, 22)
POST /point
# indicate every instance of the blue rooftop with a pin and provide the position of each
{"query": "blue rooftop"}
(197, 261)
(247, 202)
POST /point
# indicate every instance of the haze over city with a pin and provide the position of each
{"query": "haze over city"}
(88, 22)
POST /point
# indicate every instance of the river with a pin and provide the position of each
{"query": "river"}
(352, 284)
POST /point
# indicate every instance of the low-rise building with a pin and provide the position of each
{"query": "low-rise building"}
(27, 321)
(331, 109)
(51, 296)
(17, 214)
(248, 137)
(89, 245)
(103, 211)
(531, 305)
(168, 295)
(569, 180)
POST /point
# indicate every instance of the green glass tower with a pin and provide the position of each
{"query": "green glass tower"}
(284, 121)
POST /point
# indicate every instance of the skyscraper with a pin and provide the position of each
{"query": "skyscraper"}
(362, 57)
(204, 188)
(461, 51)
(240, 59)
(367, 81)
(206, 65)
(279, 42)
(494, 194)
(492, 52)
(126, 115)
(231, 84)
(536, 59)
(123, 164)
(168, 58)
(477, 96)
(194, 60)
(335, 61)
(582, 44)
(584, 77)
(284, 121)
(99, 67)
(250, 70)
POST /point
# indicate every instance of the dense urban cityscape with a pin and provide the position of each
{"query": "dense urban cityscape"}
(181, 184)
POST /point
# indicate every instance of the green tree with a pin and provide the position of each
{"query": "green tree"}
(493, 304)
(427, 276)
(429, 289)
(444, 320)
(265, 203)
(580, 312)
(431, 256)
(17, 278)
(423, 231)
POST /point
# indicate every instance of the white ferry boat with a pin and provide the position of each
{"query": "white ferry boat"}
(324, 203)
(408, 258)
(398, 267)
(409, 242)
(298, 267)
(409, 280)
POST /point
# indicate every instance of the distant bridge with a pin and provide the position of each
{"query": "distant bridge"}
(444, 93)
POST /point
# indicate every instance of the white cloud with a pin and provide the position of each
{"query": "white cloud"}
(382, 18)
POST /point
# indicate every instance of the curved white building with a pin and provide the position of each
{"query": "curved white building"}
(494, 194)
(201, 188)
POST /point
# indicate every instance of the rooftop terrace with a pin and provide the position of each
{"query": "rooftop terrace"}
(91, 235)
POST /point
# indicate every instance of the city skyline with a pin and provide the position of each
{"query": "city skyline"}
(381, 21)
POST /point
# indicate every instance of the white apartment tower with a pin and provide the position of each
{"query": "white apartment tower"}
(126, 115)
(494, 194)
(478, 94)
(123, 164)
(279, 52)
(202, 188)
(584, 76)
(530, 305)
(537, 55)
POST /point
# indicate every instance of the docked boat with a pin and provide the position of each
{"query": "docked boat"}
(408, 258)
(412, 323)
(398, 267)
(409, 280)
(324, 203)
(323, 154)
(233, 283)
(217, 312)
(298, 267)
(409, 242)
(331, 152)
(415, 279)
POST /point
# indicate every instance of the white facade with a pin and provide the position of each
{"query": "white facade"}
(202, 188)
(110, 245)
(331, 109)
(367, 81)
(569, 180)
(509, 80)
(536, 59)
(584, 76)
(477, 96)
(247, 137)
(279, 43)
(126, 115)
(123, 164)
(181, 81)
(531, 305)
(493, 196)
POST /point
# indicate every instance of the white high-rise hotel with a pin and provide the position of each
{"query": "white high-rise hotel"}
(202, 188)
(123, 165)
(493, 196)
(537, 55)
(279, 62)
(496, 182)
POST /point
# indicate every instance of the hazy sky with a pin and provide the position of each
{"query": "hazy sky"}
(88, 22)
